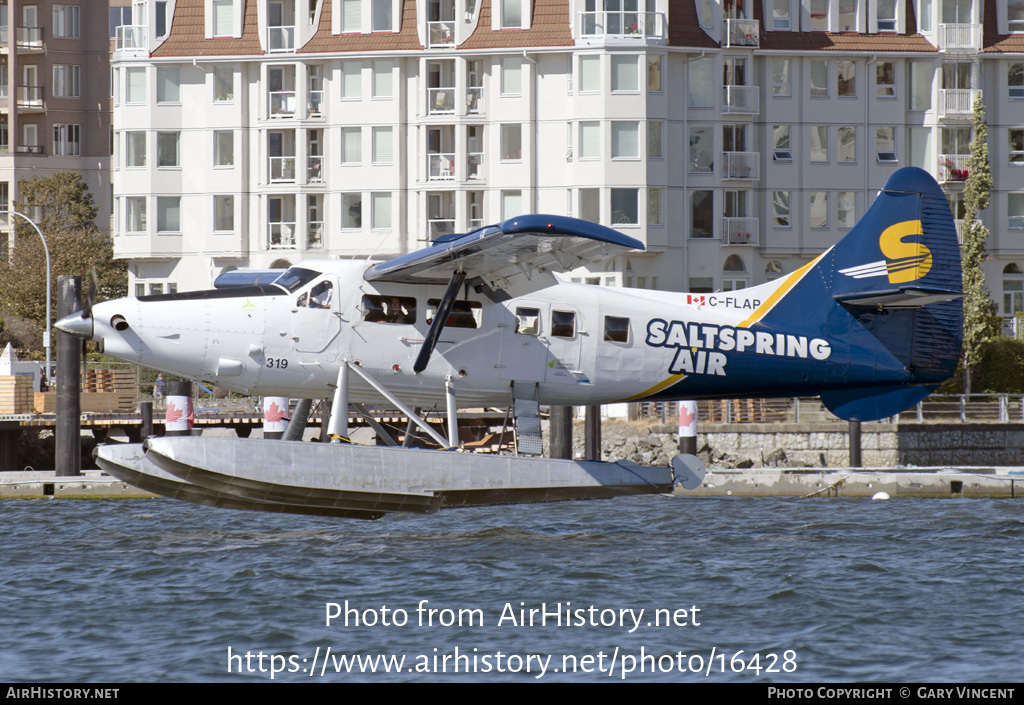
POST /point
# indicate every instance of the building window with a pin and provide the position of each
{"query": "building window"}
(819, 79)
(512, 76)
(168, 214)
(590, 140)
(351, 211)
(161, 18)
(136, 77)
(654, 214)
(223, 84)
(886, 15)
(625, 208)
(921, 73)
(382, 79)
(780, 15)
(848, 15)
(654, 64)
(846, 79)
(511, 142)
(67, 140)
(67, 81)
(1015, 211)
(136, 149)
(885, 79)
(780, 77)
(702, 216)
(846, 213)
(590, 204)
(590, 74)
(223, 148)
(135, 214)
(351, 80)
(66, 21)
(168, 84)
(383, 16)
(168, 149)
(351, 145)
(1013, 290)
(819, 209)
(625, 140)
(382, 145)
(223, 18)
(780, 209)
(819, 143)
(702, 145)
(847, 138)
(1015, 81)
(118, 17)
(511, 204)
(511, 14)
(781, 149)
(380, 211)
(819, 15)
(224, 214)
(654, 131)
(1015, 15)
(351, 16)
(625, 74)
(885, 144)
(702, 83)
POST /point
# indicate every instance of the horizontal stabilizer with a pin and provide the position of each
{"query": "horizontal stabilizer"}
(905, 297)
(873, 403)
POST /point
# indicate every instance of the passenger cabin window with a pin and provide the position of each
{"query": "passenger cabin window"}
(464, 314)
(563, 324)
(528, 321)
(389, 309)
(616, 329)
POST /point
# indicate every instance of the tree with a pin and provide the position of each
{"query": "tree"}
(63, 208)
(981, 323)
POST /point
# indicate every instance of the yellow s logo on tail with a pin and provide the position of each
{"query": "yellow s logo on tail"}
(908, 261)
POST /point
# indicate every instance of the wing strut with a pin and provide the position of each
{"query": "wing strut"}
(443, 309)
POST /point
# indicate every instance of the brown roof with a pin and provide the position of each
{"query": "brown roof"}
(847, 41)
(405, 39)
(188, 33)
(548, 27)
(996, 43)
(684, 28)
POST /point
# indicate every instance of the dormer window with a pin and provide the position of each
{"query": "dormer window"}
(887, 15)
(780, 14)
(1015, 15)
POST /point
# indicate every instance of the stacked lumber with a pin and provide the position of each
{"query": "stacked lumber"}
(16, 394)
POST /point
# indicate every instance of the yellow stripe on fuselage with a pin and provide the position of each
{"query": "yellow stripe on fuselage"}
(656, 388)
(779, 293)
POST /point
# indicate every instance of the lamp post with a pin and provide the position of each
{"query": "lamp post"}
(46, 251)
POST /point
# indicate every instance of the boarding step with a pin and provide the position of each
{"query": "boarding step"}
(528, 435)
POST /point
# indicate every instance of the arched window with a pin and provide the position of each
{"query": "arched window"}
(773, 270)
(734, 274)
(1013, 289)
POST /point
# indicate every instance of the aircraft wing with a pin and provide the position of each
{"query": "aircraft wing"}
(520, 253)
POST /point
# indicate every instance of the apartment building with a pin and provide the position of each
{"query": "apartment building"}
(54, 97)
(736, 138)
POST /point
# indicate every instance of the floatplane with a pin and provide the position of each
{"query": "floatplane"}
(872, 326)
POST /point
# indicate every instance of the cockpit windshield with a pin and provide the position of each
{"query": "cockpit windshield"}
(294, 278)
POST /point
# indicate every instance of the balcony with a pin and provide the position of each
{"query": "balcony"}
(953, 168)
(739, 231)
(314, 103)
(440, 226)
(315, 169)
(315, 235)
(957, 103)
(440, 34)
(36, 149)
(282, 236)
(282, 169)
(742, 33)
(959, 37)
(30, 97)
(741, 165)
(474, 100)
(280, 40)
(740, 99)
(440, 101)
(29, 38)
(282, 103)
(440, 167)
(130, 40)
(622, 25)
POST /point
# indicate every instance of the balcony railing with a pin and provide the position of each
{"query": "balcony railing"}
(440, 101)
(30, 96)
(440, 34)
(742, 33)
(474, 224)
(280, 40)
(314, 103)
(739, 231)
(282, 236)
(740, 99)
(741, 165)
(282, 168)
(3, 89)
(29, 37)
(474, 160)
(957, 102)
(953, 168)
(959, 37)
(315, 169)
(474, 100)
(282, 103)
(130, 36)
(438, 227)
(441, 166)
(30, 149)
(621, 24)
(315, 235)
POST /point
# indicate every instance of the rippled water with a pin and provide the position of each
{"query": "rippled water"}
(158, 590)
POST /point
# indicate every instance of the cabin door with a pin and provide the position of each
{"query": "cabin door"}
(315, 319)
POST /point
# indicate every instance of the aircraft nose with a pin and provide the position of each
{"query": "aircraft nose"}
(77, 325)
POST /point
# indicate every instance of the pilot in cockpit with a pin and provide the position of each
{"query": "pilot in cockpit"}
(320, 296)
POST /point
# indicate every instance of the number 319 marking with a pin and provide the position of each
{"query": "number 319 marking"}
(279, 362)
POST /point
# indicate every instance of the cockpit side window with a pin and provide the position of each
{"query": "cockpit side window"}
(389, 309)
(294, 278)
(321, 295)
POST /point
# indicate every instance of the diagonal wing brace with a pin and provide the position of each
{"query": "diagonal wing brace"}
(443, 309)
